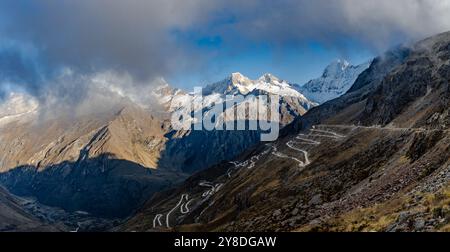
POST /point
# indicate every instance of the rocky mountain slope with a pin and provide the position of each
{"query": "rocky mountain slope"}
(335, 81)
(101, 163)
(375, 159)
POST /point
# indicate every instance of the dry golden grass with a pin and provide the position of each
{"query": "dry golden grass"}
(380, 216)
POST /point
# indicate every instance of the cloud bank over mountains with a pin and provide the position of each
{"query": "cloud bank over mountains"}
(43, 40)
(377, 23)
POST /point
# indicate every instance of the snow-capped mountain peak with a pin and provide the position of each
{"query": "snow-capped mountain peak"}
(234, 85)
(239, 79)
(270, 78)
(336, 68)
(240, 84)
(336, 80)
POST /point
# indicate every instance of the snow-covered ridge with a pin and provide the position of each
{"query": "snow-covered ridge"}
(336, 80)
(292, 102)
(16, 106)
(238, 84)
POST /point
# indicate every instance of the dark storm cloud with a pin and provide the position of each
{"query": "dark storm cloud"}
(377, 24)
(92, 35)
(19, 67)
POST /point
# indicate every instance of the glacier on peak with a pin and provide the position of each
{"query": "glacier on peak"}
(292, 102)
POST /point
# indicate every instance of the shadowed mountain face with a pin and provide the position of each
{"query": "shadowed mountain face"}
(13, 216)
(102, 186)
(26, 214)
(375, 159)
(192, 151)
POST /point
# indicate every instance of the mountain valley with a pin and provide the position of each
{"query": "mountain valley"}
(109, 163)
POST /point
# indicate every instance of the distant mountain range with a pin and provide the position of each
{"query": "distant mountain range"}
(336, 80)
(292, 102)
